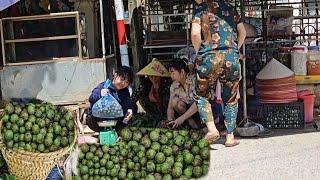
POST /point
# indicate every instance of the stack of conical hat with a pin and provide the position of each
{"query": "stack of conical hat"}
(276, 84)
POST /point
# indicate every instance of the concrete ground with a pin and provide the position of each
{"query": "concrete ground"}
(283, 154)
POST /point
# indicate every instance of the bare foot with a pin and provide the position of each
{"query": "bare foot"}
(212, 136)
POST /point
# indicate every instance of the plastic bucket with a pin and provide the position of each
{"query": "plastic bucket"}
(308, 101)
(299, 60)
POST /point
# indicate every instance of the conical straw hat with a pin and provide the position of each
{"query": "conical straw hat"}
(155, 68)
(274, 70)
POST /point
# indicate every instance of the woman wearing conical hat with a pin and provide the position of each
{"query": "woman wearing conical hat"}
(153, 92)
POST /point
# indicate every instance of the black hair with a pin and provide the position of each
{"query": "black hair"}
(125, 73)
(180, 64)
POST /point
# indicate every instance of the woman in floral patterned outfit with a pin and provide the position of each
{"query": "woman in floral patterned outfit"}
(218, 59)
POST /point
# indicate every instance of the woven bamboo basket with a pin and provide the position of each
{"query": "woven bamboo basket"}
(34, 166)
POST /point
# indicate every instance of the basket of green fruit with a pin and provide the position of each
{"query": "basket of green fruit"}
(34, 136)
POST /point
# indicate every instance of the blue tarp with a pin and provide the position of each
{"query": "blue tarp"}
(6, 3)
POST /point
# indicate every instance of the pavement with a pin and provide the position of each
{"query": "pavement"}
(283, 154)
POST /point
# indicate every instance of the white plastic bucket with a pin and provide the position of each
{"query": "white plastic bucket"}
(299, 60)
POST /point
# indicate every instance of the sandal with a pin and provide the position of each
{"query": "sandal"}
(212, 137)
(235, 143)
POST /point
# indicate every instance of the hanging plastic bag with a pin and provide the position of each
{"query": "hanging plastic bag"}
(107, 106)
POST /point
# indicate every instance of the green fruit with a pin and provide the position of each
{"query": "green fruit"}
(160, 157)
(41, 148)
(179, 140)
(16, 137)
(150, 177)
(35, 129)
(68, 116)
(178, 164)
(97, 165)
(38, 113)
(41, 123)
(122, 174)
(8, 136)
(114, 172)
(31, 109)
(167, 177)
(105, 149)
(197, 171)
(205, 153)
(137, 175)
(197, 161)
(143, 161)
(145, 141)
(5, 118)
(17, 109)
(169, 135)
(63, 122)
(14, 118)
(188, 145)
(90, 164)
(136, 136)
(183, 133)
(188, 172)
(9, 108)
(64, 141)
(22, 130)
(84, 170)
(133, 144)
(15, 128)
(195, 150)
(130, 165)
(28, 147)
(21, 137)
(170, 160)
(8, 125)
(50, 114)
(163, 139)
(188, 158)
(205, 169)
(165, 168)
(130, 175)
(150, 154)
(20, 122)
(24, 115)
(126, 134)
(57, 141)
(179, 158)
(9, 144)
(150, 166)
(110, 165)
(156, 146)
(202, 143)
(57, 129)
(32, 118)
(154, 135)
(177, 172)
(140, 154)
(40, 138)
(28, 125)
(28, 137)
(167, 151)
(157, 176)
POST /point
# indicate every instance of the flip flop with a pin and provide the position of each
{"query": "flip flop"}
(235, 143)
(212, 137)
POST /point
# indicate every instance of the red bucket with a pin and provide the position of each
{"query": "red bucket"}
(308, 101)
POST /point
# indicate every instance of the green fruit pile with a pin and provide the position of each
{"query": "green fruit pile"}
(146, 153)
(40, 127)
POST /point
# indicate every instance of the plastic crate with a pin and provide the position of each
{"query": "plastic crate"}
(283, 116)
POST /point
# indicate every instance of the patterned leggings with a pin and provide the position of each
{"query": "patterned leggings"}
(222, 65)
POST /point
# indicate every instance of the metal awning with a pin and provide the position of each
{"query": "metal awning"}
(6, 3)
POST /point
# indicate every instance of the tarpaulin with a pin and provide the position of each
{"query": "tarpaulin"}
(6, 3)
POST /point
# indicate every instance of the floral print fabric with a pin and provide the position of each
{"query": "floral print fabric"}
(218, 58)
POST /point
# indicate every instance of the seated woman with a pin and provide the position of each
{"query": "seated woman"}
(182, 100)
(153, 92)
(110, 100)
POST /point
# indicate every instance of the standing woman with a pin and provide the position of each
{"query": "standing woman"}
(218, 59)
